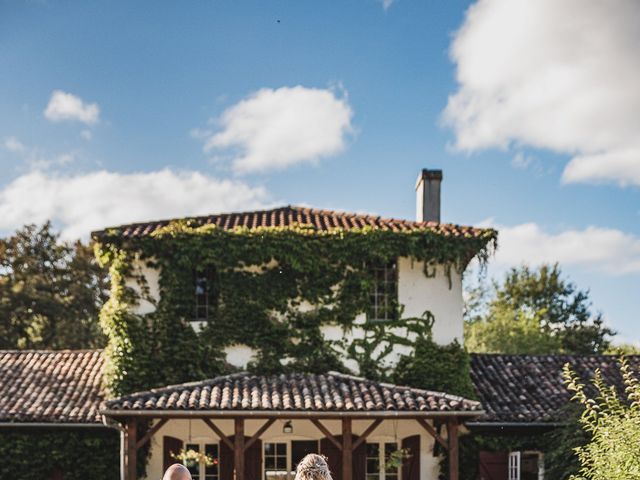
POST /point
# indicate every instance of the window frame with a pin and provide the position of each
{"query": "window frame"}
(384, 286)
(290, 467)
(382, 472)
(206, 301)
(276, 456)
(202, 468)
(514, 465)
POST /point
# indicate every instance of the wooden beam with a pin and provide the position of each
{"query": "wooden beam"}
(452, 434)
(326, 433)
(432, 431)
(132, 452)
(362, 438)
(238, 450)
(347, 449)
(260, 431)
(223, 438)
(152, 431)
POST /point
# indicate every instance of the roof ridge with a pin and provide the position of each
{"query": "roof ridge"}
(306, 375)
(373, 220)
(52, 351)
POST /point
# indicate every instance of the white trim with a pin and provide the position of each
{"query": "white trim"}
(513, 468)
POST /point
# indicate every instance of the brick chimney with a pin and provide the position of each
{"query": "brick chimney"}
(428, 196)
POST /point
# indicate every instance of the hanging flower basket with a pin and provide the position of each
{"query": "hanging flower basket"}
(396, 458)
(191, 458)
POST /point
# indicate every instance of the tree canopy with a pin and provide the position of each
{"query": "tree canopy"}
(51, 291)
(533, 311)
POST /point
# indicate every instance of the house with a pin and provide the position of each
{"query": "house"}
(289, 294)
(238, 342)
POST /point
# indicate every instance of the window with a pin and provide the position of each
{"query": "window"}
(206, 296)
(514, 466)
(281, 459)
(212, 472)
(526, 466)
(275, 461)
(199, 469)
(377, 455)
(383, 296)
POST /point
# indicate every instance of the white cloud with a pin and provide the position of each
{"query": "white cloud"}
(387, 3)
(522, 161)
(594, 248)
(86, 134)
(36, 158)
(66, 106)
(275, 129)
(557, 75)
(14, 145)
(84, 202)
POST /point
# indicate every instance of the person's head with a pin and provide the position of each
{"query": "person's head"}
(313, 467)
(177, 471)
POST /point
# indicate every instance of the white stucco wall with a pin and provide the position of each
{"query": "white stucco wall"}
(387, 431)
(416, 292)
(146, 303)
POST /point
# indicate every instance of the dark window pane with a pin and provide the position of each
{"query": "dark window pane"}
(281, 448)
(212, 450)
(301, 448)
(373, 465)
(373, 450)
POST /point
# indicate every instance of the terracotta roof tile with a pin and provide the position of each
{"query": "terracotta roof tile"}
(322, 220)
(530, 388)
(50, 386)
(331, 392)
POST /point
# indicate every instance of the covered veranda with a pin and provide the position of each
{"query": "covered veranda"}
(341, 413)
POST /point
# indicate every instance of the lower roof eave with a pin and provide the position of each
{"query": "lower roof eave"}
(287, 414)
(53, 425)
(499, 424)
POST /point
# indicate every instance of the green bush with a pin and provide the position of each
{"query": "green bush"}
(36, 454)
(613, 421)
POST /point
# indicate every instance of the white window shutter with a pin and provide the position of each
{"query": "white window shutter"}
(541, 466)
(514, 466)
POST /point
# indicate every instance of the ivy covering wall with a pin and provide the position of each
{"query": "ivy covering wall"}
(262, 277)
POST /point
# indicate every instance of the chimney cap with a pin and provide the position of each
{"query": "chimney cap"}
(427, 174)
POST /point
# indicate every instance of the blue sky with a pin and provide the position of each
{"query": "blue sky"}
(122, 111)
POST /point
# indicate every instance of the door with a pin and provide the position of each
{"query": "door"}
(493, 466)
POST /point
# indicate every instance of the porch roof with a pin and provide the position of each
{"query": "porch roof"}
(295, 393)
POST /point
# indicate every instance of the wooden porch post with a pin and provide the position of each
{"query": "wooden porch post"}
(238, 450)
(347, 449)
(131, 450)
(452, 432)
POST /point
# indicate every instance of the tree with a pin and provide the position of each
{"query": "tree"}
(614, 426)
(51, 291)
(534, 311)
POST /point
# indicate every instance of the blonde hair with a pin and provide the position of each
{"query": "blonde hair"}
(313, 467)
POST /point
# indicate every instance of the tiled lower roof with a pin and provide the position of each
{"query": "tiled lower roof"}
(50, 386)
(332, 392)
(322, 220)
(66, 387)
(530, 388)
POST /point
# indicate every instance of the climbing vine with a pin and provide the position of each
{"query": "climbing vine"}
(275, 288)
